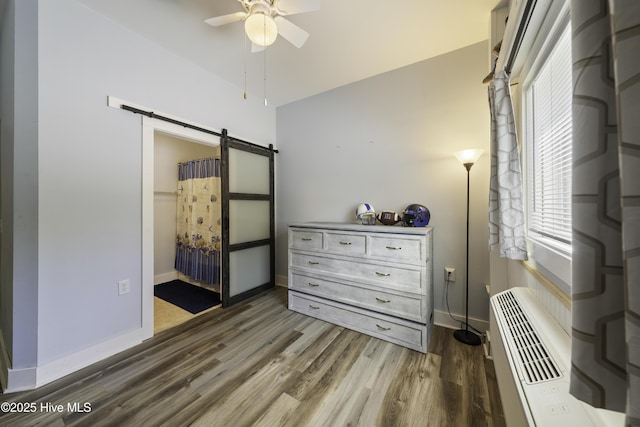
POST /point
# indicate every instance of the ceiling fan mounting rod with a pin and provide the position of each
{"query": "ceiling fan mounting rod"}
(259, 6)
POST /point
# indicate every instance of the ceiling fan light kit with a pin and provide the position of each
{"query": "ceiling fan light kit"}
(261, 29)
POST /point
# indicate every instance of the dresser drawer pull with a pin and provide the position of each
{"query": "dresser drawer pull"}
(313, 284)
(383, 274)
(382, 300)
(314, 307)
(394, 248)
(345, 243)
(307, 239)
(382, 328)
(314, 262)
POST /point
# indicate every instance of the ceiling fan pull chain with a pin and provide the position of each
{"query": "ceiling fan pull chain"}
(244, 54)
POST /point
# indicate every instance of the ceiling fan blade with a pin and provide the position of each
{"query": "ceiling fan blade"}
(291, 7)
(291, 32)
(226, 19)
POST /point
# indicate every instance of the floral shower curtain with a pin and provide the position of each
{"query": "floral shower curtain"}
(605, 369)
(506, 207)
(198, 241)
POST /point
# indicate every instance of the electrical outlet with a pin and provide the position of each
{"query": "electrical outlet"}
(449, 274)
(124, 286)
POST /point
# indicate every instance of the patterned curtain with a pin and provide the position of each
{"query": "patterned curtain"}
(198, 241)
(606, 205)
(506, 208)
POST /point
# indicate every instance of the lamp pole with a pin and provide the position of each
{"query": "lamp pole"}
(464, 335)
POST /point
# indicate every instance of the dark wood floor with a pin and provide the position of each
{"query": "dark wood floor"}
(258, 363)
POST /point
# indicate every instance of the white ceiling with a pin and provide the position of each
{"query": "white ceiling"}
(350, 40)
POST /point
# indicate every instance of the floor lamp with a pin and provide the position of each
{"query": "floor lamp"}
(467, 158)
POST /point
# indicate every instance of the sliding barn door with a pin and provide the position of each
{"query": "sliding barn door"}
(248, 226)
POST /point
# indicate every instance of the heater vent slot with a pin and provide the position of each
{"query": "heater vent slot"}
(534, 359)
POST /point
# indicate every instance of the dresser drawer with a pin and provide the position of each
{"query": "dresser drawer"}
(374, 280)
(384, 327)
(348, 244)
(305, 239)
(398, 248)
(380, 300)
(384, 274)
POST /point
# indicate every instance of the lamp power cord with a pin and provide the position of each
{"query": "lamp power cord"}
(462, 323)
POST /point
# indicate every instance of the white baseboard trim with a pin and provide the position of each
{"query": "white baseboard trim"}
(164, 277)
(5, 363)
(76, 361)
(282, 281)
(441, 318)
(31, 378)
(20, 380)
(16, 379)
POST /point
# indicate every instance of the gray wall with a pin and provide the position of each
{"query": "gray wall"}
(7, 63)
(19, 135)
(75, 184)
(90, 213)
(389, 140)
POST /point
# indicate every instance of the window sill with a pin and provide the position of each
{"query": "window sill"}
(548, 284)
(551, 263)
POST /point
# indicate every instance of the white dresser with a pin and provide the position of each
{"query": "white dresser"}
(373, 279)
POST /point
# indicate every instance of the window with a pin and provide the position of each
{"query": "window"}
(547, 146)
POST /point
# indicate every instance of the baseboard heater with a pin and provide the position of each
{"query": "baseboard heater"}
(531, 355)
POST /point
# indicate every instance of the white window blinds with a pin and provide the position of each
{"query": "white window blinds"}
(549, 156)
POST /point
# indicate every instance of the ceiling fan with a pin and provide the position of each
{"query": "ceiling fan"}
(264, 20)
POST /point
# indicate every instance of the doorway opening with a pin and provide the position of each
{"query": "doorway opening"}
(187, 234)
(164, 146)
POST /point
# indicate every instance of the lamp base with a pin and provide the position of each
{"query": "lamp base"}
(467, 337)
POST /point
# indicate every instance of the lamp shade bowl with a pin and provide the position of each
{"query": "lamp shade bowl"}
(470, 155)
